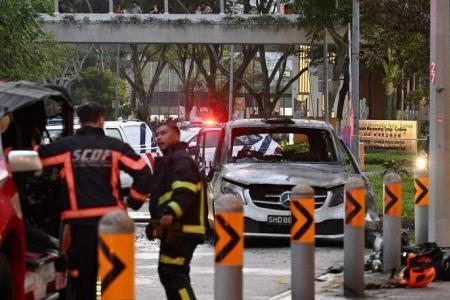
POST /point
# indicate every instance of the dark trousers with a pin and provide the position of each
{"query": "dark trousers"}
(174, 268)
(83, 265)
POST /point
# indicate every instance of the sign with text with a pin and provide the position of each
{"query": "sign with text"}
(389, 135)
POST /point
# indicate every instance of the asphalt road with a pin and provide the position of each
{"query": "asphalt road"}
(266, 268)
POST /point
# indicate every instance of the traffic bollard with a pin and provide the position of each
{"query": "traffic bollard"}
(302, 242)
(116, 257)
(421, 200)
(229, 248)
(392, 230)
(354, 237)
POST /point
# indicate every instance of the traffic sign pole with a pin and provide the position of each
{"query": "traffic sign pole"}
(392, 222)
(354, 237)
(302, 242)
(229, 248)
(439, 219)
(421, 201)
(116, 257)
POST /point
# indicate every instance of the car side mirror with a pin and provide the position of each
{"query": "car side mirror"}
(24, 161)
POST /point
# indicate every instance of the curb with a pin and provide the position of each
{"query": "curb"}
(282, 296)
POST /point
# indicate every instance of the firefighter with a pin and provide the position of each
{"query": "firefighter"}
(178, 204)
(89, 164)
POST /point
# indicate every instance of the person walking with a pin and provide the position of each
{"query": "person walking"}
(178, 205)
(89, 164)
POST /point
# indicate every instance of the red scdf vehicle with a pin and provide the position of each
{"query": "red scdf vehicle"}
(31, 264)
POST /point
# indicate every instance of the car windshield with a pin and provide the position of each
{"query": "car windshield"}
(282, 144)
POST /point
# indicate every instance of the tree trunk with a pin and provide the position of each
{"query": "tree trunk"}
(390, 94)
(342, 93)
(188, 105)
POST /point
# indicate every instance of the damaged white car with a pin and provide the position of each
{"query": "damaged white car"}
(306, 151)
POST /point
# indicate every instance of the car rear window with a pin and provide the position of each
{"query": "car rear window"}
(113, 132)
(135, 132)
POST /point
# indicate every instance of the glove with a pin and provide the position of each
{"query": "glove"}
(174, 235)
(153, 230)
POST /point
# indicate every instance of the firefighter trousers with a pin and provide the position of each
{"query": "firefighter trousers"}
(83, 265)
(174, 268)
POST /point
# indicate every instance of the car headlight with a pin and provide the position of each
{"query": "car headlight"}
(227, 187)
(337, 196)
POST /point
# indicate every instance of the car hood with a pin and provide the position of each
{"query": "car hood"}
(319, 175)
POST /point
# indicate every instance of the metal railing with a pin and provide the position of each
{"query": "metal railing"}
(166, 6)
(278, 4)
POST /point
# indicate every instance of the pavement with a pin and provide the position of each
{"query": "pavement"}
(266, 268)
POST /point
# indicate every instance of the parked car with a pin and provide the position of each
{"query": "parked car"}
(305, 151)
(31, 265)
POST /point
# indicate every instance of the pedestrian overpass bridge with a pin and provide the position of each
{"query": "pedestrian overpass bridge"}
(110, 28)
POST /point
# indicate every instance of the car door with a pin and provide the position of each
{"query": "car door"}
(207, 149)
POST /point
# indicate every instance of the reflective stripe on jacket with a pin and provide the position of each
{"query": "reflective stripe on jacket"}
(90, 163)
(178, 190)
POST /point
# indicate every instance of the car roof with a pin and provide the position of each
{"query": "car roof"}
(18, 94)
(123, 123)
(277, 122)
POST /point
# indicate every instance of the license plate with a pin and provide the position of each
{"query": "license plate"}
(279, 220)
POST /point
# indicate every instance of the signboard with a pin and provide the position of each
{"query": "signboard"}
(389, 135)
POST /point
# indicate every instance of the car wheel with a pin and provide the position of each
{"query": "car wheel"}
(6, 279)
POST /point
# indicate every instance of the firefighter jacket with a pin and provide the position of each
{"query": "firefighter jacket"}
(178, 190)
(89, 164)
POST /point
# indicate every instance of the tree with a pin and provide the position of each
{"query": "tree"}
(188, 74)
(209, 62)
(396, 37)
(70, 62)
(318, 15)
(140, 59)
(98, 86)
(273, 81)
(25, 52)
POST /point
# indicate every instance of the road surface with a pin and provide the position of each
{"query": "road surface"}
(266, 271)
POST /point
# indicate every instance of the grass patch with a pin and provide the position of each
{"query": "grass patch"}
(378, 158)
(407, 201)
(373, 168)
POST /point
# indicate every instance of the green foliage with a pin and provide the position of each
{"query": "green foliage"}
(396, 166)
(396, 35)
(299, 148)
(21, 56)
(95, 85)
(320, 14)
(378, 158)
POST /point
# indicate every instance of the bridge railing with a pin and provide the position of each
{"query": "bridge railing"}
(219, 7)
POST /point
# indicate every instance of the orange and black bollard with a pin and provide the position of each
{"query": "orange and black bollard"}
(421, 201)
(392, 222)
(302, 242)
(229, 248)
(116, 257)
(354, 237)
